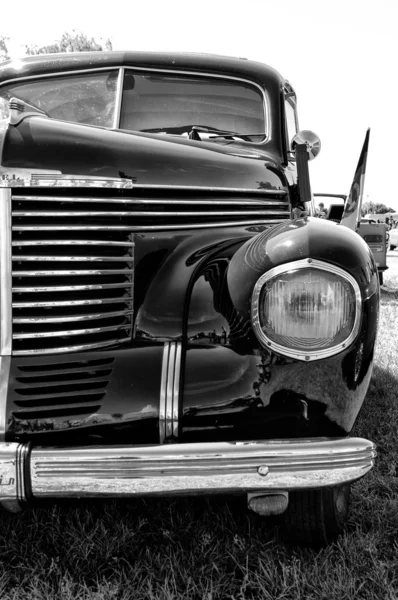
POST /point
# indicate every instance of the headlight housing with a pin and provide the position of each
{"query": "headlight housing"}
(306, 309)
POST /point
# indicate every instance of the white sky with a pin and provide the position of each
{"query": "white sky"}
(340, 56)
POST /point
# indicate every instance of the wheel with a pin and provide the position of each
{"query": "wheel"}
(316, 517)
(381, 278)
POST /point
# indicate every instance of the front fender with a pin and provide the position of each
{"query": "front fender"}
(295, 240)
(233, 386)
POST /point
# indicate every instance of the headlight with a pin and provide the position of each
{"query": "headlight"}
(306, 309)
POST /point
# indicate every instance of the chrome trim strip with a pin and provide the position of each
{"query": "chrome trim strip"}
(23, 456)
(68, 288)
(26, 179)
(307, 355)
(5, 273)
(76, 258)
(170, 392)
(71, 243)
(5, 363)
(144, 213)
(68, 318)
(81, 199)
(119, 97)
(87, 331)
(199, 468)
(266, 103)
(76, 348)
(120, 300)
(176, 392)
(63, 273)
(162, 396)
(181, 227)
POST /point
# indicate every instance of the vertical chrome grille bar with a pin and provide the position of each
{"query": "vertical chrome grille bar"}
(5, 273)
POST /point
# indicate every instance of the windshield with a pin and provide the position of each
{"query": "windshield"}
(175, 103)
(188, 105)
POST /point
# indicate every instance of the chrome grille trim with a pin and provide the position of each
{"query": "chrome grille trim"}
(151, 214)
(143, 228)
(228, 202)
(38, 257)
(65, 288)
(5, 273)
(71, 348)
(92, 302)
(65, 273)
(86, 331)
(166, 188)
(71, 243)
(97, 271)
(66, 318)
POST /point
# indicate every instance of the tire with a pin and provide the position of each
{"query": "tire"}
(381, 278)
(316, 517)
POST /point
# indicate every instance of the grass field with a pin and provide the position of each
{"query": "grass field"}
(213, 548)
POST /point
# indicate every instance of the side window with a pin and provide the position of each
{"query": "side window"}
(83, 98)
(291, 119)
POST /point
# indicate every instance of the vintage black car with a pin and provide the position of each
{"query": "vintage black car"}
(173, 319)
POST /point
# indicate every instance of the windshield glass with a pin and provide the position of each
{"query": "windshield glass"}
(174, 103)
(86, 98)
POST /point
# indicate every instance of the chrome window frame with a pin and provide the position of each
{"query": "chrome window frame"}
(119, 90)
(308, 355)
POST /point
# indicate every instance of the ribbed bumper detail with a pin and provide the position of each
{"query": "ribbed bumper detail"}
(180, 468)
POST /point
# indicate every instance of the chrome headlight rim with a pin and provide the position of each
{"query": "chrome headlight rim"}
(308, 355)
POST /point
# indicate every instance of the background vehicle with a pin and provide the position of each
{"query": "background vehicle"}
(393, 238)
(375, 234)
(173, 319)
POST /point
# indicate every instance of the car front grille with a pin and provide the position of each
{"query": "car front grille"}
(73, 255)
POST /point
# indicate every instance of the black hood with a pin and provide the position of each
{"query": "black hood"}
(41, 143)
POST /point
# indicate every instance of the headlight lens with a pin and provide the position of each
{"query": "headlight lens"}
(307, 309)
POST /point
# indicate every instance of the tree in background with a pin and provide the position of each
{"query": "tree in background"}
(3, 48)
(375, 208)
(76, 41)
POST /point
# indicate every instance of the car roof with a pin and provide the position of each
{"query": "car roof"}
(43, 64)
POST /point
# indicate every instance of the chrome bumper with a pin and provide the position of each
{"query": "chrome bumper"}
(229, 467)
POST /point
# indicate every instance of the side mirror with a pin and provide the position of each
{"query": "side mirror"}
(310, 139)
